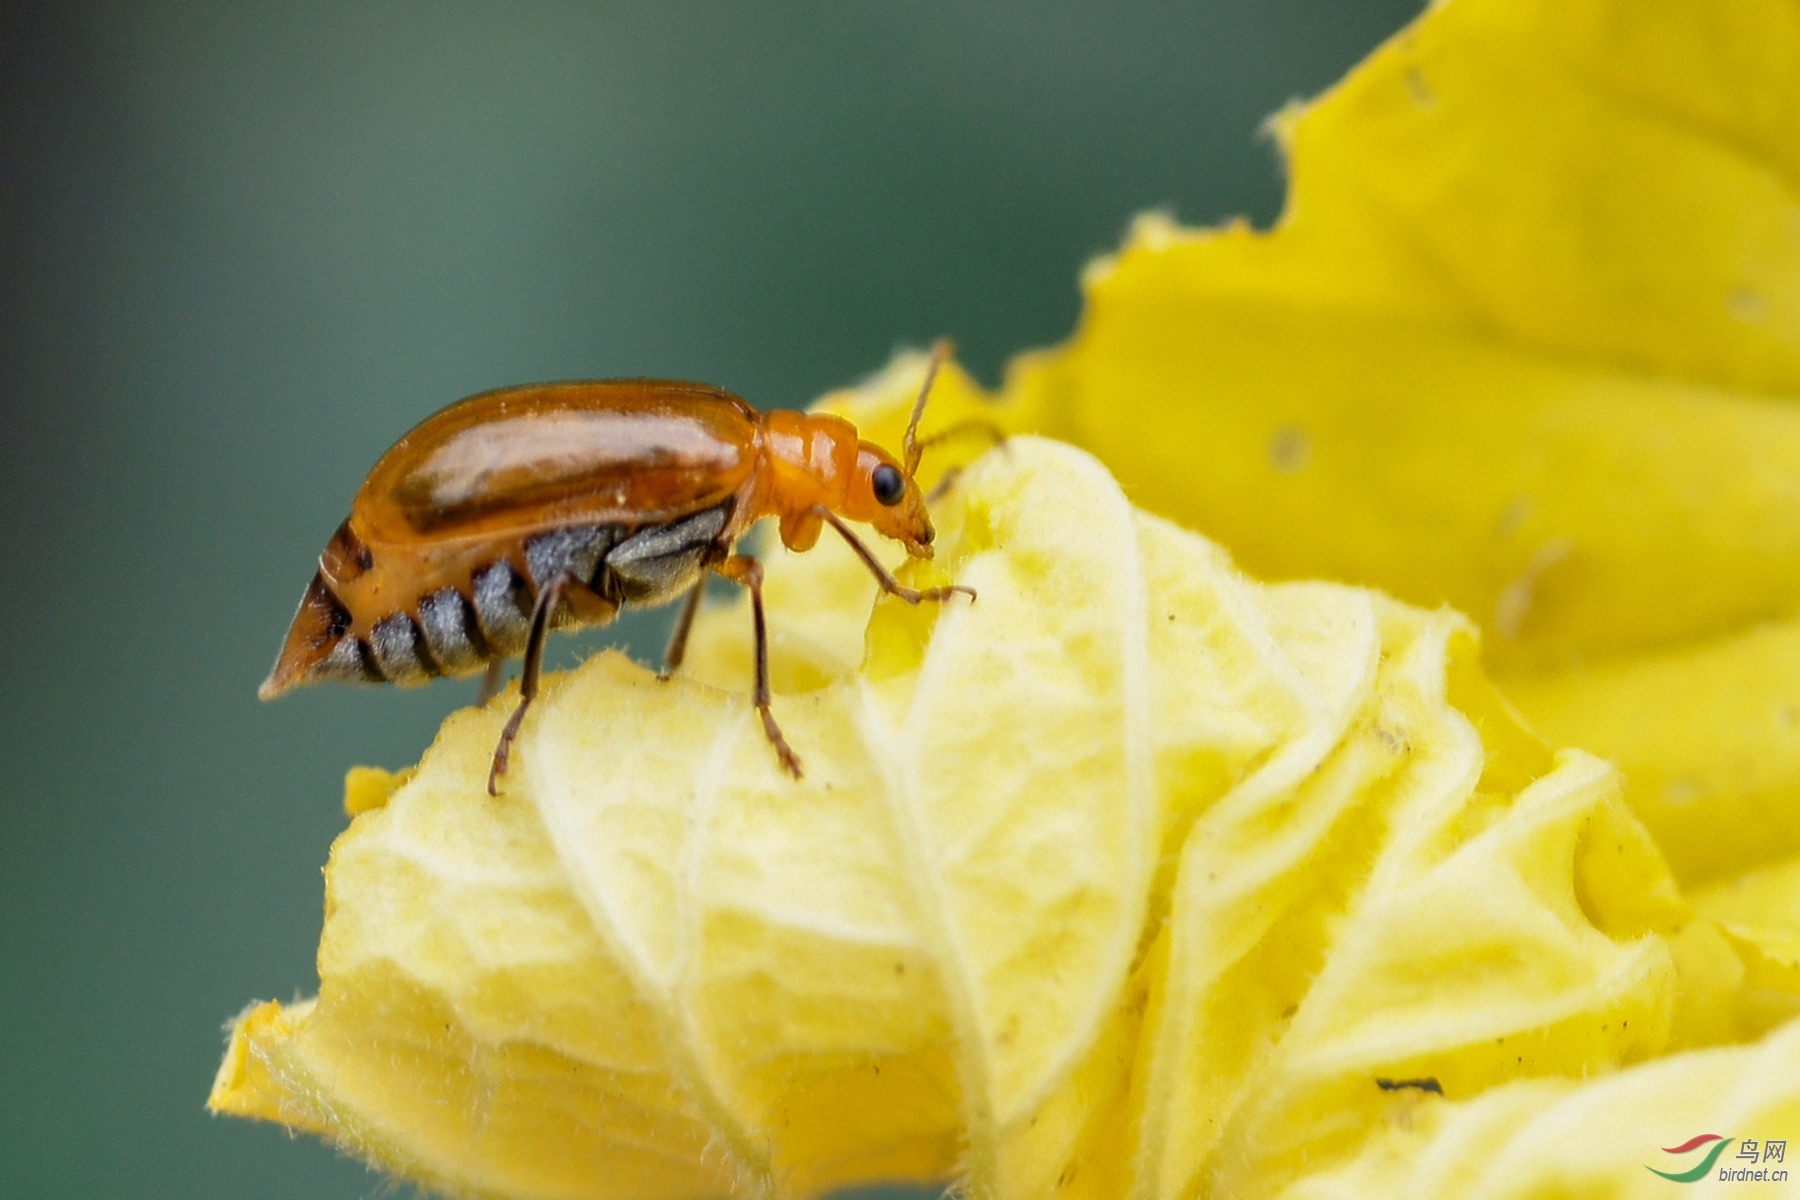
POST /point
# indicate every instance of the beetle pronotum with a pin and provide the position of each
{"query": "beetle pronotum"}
(519, 511)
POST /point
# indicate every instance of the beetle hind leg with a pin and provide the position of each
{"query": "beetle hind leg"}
(564, 600)
(547, 603)
(490, 682)
(684, 625)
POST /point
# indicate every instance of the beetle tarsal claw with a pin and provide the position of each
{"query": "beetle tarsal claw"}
(936, 594)
(790, 762)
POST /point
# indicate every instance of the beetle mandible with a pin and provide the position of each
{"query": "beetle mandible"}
(518, 511)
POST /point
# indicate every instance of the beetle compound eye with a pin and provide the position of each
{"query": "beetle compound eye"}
(888, 485)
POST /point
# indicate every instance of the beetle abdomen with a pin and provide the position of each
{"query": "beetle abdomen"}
(457, 630)
(452, 633)
(502, 606)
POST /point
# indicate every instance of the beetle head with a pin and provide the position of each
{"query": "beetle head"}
(884, 493)
(886, 496)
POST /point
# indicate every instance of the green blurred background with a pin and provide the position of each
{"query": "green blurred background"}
(244, 247)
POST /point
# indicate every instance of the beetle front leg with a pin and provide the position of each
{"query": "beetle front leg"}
(741, 568)
(528, 678)
(889, 584)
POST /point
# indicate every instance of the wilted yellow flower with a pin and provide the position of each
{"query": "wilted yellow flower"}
(659, 967)
(1139, 877)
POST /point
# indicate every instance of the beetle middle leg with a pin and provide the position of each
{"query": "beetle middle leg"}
(889, 584)
(528, 678)
(741, 568)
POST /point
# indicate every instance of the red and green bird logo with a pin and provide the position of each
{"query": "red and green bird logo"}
(1706, 1164)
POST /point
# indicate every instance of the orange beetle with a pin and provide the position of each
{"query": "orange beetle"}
(531, 508)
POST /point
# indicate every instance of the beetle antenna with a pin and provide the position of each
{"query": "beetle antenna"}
(910, 444)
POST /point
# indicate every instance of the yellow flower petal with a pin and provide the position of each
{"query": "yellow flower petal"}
(1390, 918)
(244, 1086)
(1710, 734)
(472, 1032)
(1509, 309)
(1759, 914)
(1544, 1140)
(368, 788)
